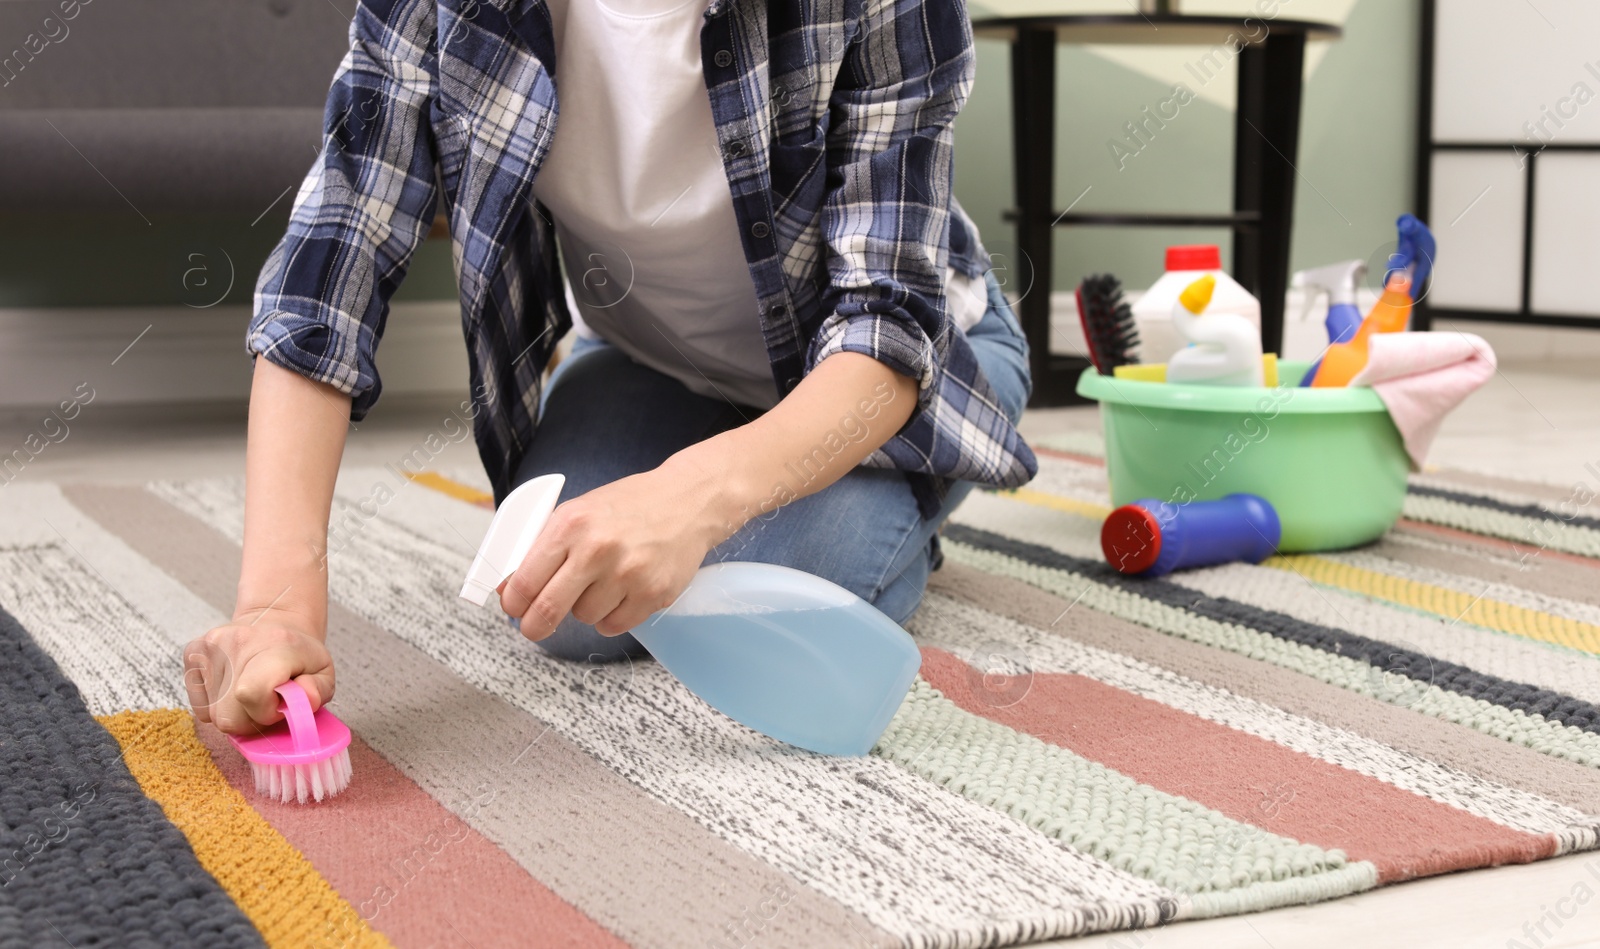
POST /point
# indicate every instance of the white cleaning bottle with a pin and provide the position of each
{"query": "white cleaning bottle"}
(1185, 264)
(1226, 347)
(789, 654)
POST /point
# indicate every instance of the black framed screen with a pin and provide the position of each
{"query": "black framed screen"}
(1508, 159)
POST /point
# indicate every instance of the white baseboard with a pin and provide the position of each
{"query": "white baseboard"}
(1516, 343)
(180, 354)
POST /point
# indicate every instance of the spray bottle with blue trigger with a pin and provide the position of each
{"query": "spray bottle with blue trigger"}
(1415, 253)
(1339, 281)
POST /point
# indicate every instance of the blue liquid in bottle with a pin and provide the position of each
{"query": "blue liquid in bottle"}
(786, 653)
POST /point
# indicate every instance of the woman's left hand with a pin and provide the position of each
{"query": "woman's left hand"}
(617, 553)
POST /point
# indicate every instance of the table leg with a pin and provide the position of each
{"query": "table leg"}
(1266, 139)
(1033, 105)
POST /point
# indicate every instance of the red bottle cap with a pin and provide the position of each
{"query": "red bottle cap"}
(1194, 257)
(1131, 539)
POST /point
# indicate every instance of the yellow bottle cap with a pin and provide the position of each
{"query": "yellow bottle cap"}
(1196, 296)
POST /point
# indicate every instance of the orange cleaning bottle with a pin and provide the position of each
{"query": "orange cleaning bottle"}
(1389, 315)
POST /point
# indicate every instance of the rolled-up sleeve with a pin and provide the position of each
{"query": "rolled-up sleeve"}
(886, 219)
(322, 297)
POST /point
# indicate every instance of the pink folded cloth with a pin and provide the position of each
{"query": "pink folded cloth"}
(1421, 377)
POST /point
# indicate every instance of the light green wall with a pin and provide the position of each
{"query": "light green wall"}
(1355, 158)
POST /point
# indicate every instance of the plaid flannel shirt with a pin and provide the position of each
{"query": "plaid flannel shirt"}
(834, 120)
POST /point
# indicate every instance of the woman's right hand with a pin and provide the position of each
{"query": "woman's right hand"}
(231, 672)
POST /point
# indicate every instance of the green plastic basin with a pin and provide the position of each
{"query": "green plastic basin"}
(1329, 460)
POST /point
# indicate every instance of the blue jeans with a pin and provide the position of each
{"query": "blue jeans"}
(604, 417)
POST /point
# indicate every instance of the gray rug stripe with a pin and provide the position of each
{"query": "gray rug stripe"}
(126, 666)
(1481, 481)
(1534, 512)
(1523, 566)
(638, 867)
(74, 822)
(1517, 696)
(1447, 743)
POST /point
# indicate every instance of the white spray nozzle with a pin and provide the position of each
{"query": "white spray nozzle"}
(1339, 281)
(511, 535)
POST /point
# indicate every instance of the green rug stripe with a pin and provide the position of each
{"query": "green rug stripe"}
(1219, 864)
(1492, 522)
(1530, 731)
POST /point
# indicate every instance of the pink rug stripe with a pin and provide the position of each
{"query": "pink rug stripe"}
(1069, 456)
(1494, 545)
(1249, 779)
(414, 870)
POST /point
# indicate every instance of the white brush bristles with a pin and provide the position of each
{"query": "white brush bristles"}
(302, 782)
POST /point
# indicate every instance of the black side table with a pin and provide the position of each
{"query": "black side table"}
(1266, 133)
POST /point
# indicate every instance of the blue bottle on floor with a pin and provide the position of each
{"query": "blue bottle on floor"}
(1152, 538)
(789, 654)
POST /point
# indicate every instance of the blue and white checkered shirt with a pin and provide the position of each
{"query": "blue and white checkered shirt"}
(834, 118)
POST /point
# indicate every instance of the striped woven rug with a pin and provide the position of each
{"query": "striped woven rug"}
(1082, 752)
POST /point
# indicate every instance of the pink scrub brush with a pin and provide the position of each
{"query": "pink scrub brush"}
(305, 755)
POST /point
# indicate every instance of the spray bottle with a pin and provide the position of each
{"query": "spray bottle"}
(1339, 281)
(1389, 315)
(791, 655)
(1415, 253)
(1226, 348)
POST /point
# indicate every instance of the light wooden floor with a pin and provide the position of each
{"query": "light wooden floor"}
(1536, 420)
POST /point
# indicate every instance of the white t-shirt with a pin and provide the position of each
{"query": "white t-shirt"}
(643, 214)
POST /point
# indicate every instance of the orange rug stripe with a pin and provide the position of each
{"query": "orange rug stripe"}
(1443, 602)
(455, 489)
(273, 883)
(1057, 502)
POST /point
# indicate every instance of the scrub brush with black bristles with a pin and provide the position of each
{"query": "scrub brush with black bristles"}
(1108, 326)
(305, 756)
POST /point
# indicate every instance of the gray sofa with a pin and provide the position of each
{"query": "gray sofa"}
(140, 136)
(202, 106)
